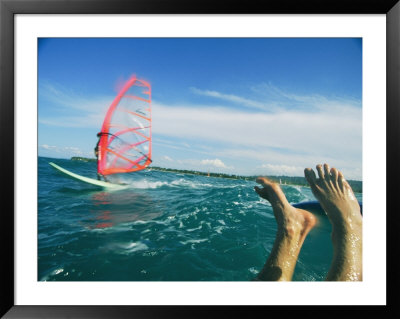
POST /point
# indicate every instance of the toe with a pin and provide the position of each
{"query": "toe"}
(261, 180)
(257, 189)
(310, 176)
(327, 174)
(341, 181)
(320, 171)
(262, 192)
(334, 176)
(264, 181)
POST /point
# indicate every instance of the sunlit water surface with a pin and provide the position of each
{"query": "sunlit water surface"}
(163, 227)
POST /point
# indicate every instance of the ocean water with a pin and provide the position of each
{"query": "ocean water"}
(164, 227)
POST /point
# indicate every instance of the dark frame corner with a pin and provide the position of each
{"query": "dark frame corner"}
(8, 9)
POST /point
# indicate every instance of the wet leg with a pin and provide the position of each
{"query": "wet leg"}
(293, 226)
(337, 199)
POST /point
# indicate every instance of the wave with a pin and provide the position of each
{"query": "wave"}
(194, 241)
(178, 183)
(53, 273)
(125, 248)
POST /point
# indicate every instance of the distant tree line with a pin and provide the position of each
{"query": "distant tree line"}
(83, 159)
(288, 180)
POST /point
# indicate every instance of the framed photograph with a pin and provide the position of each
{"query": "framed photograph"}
(134, 135)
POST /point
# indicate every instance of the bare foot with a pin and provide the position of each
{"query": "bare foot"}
(335, 196)
(293, 226)
(289, 218)
(337, 199)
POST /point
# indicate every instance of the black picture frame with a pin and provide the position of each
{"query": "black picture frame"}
(8, 10)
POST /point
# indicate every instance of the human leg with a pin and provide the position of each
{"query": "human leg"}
(293, 225)
(341, 206)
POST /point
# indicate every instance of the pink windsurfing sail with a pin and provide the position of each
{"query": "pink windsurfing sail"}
(125, 137)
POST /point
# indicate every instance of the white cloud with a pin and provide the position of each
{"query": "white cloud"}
(50, 150)
(48, 147)
(288, 99)
(327, 133)
(73, 150)
(167, 158)
(282, 169)
(156, 140)
(296, 135)
(215, 162)
(193, 164)
(90, 110)
(233, 98)
(85, 120)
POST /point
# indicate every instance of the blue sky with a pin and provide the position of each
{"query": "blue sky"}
(233, 105)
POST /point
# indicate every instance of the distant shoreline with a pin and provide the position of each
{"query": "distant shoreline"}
(283, 180)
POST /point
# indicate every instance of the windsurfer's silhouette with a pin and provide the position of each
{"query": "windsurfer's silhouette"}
(96, 153)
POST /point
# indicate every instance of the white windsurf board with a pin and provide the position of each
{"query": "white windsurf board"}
(87, 179)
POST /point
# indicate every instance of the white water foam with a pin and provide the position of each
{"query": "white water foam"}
(181, 182)
(126, 248)
(193, 241)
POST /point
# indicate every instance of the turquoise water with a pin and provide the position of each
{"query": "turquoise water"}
(164, 227)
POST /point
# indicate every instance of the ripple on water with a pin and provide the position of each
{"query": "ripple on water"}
(164, 227)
